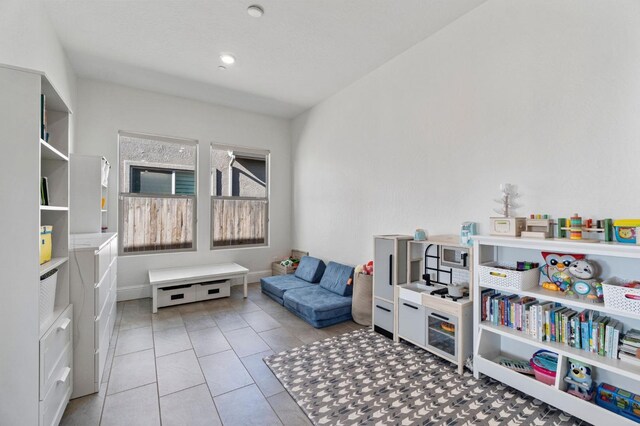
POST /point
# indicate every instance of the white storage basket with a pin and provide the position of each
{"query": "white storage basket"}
(47, 299)
(621, 298)
(499, 276)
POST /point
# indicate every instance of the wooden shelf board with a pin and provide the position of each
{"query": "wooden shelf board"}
(550, 394)
(54, 208)
(614, 365)
(50, 153)
(552, 296)
(53, 263)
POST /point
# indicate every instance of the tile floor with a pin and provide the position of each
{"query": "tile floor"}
(198, 364)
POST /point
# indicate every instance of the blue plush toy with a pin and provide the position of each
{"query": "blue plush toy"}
(579, 380)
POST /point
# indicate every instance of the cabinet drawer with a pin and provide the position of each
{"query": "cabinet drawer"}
(53, 405)
(103, 259)
(52, 346)
(101, 358)
(102, 292)
(176, 295)
(113, 249)
(213, 290)
(113, 273)
(411, 321)
(383, 314)
(101, 323)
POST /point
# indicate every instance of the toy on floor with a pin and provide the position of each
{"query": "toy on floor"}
(584, 284)
(619, 401)
(579, 380)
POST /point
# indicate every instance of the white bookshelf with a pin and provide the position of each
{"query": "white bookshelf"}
(87, 191)
(494, 341)
(35, 353)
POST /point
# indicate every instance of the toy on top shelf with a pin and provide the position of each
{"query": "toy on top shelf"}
(467, 231)
(626, 230)
(574, 228)
(579, 380)
(538, 226)
(507, 225)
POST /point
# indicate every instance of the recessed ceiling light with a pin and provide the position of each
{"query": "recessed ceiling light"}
(255, 10)
(222, 68)
(227, 58)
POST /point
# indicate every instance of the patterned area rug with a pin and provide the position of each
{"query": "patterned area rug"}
(364, 378)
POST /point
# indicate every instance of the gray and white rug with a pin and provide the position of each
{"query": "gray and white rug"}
(362, 377)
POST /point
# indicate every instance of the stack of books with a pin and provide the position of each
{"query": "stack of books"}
(552, 322)
(630, 348)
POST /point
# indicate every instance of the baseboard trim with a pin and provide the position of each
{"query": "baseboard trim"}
(144, 290)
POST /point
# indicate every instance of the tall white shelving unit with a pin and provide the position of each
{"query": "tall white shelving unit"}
(492, 342)
(35, 360)
(88, 189)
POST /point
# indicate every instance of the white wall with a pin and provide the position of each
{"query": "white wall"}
(105, 108)
(542, 94)
(28, 40)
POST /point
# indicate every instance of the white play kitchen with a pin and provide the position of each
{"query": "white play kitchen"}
(431, 303)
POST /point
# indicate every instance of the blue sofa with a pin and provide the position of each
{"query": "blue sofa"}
(323, 304)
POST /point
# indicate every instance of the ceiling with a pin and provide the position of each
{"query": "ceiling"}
(299, 53)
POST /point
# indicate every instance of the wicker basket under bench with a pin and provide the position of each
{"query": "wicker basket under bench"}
(278, 269)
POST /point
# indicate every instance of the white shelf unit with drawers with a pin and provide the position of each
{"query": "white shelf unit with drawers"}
(421, 315)
(493, 341)
(36, 358)
(94, 278)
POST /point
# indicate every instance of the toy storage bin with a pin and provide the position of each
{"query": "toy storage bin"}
(47, 299)
(278, 269)
(497, 275)
(545, 364)
(621, 298)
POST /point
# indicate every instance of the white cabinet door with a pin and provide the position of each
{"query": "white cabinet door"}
(383, 272)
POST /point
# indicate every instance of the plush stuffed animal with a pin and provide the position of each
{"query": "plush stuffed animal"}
(584, 285)
(579, 380)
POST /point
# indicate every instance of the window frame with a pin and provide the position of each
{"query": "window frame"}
(194, 197)
(244, 152)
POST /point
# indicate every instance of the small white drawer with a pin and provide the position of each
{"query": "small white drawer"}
(102, 292)
(103, 259)
(113, 272)
(53, 405)
(113, 249)
(176, 295)
(383, 314)
(213, 290)
(101, 322)
(52, 346)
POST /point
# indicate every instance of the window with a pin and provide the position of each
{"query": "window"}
(239, 197)
(157, 193)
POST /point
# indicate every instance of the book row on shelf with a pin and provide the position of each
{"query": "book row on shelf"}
(551, 322)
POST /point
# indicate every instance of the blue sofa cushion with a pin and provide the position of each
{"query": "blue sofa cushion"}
(310, 269)
(336, 278)
(278, 284)
(316, 304)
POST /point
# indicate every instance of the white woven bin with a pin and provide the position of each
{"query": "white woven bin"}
(496, 275)
(48, 283)
(621, 298)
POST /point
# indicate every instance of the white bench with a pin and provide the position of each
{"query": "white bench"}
(173, 277)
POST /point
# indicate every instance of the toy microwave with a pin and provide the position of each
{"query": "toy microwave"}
(625, 230)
